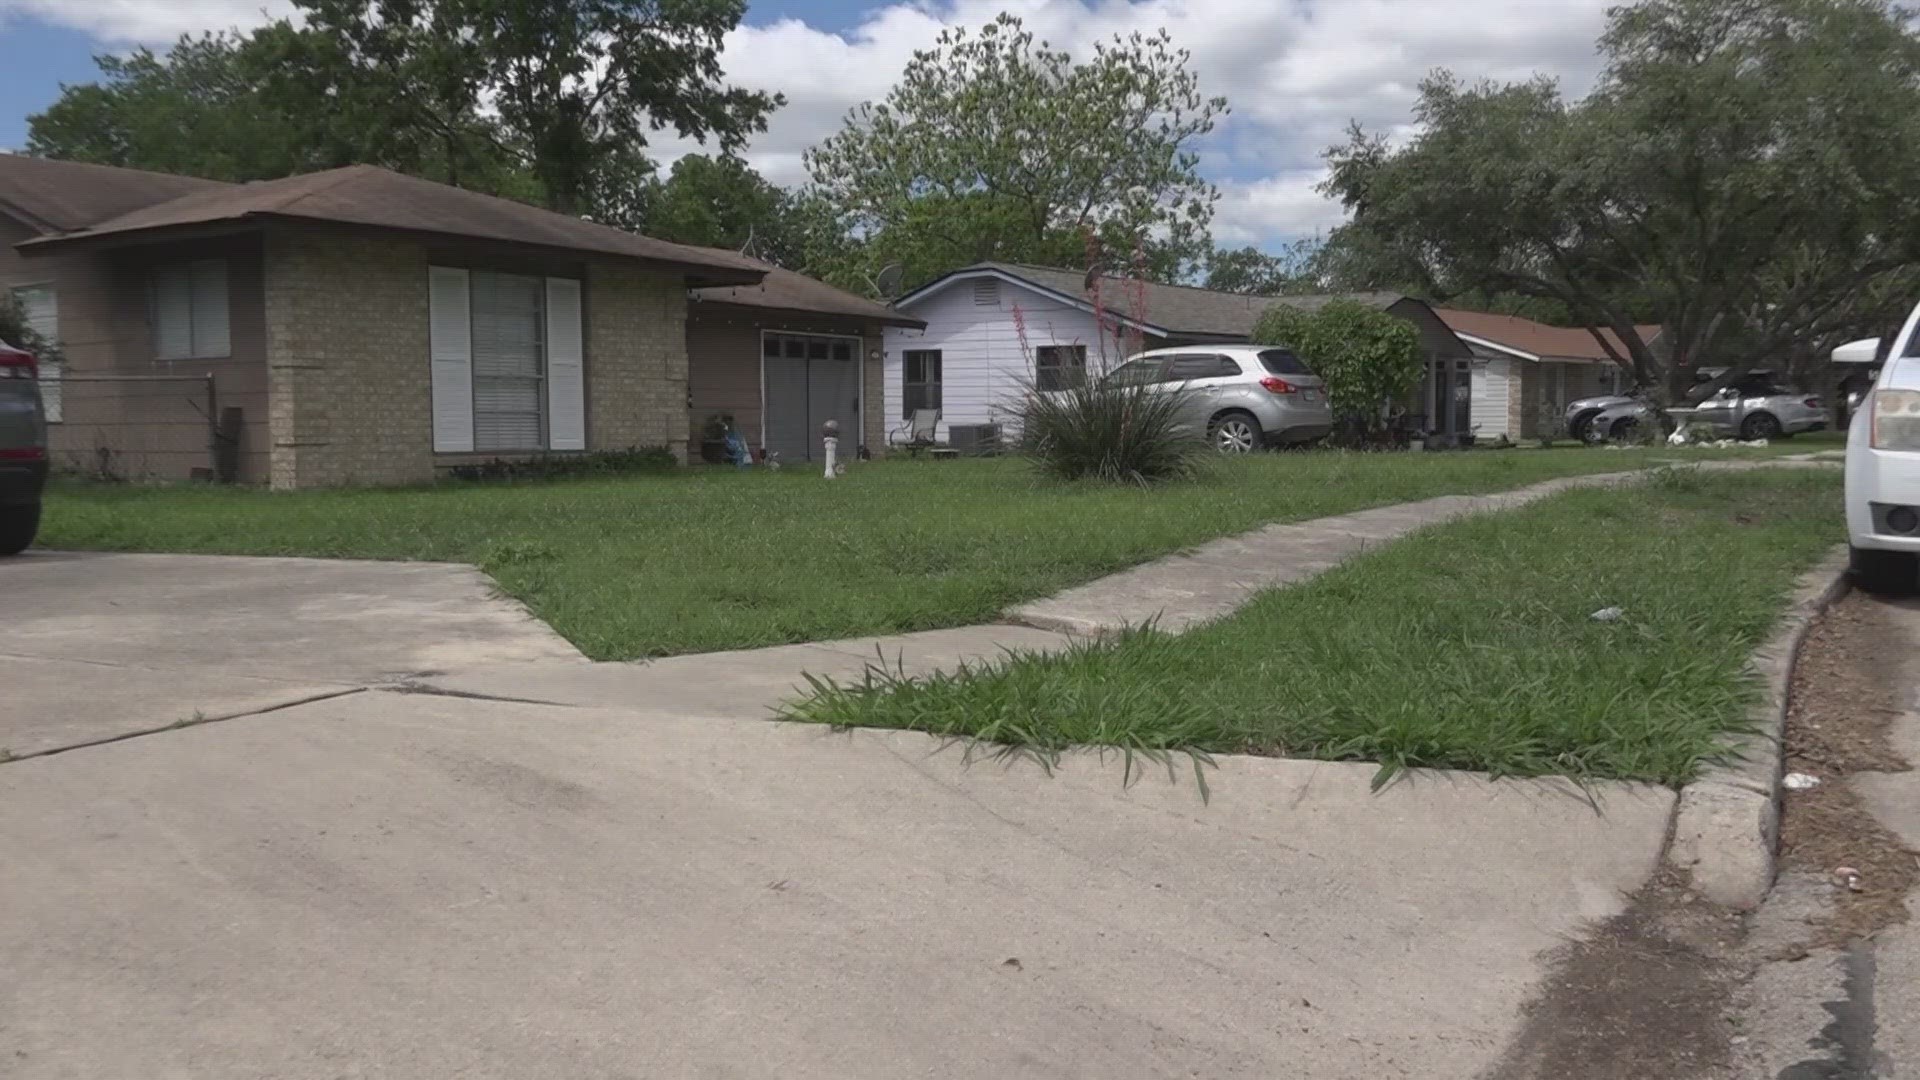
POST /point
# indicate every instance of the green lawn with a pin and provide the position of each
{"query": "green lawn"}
(714, 559)
(1466, 646)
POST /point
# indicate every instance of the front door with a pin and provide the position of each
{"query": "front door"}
(807, 379)
(1450, 396)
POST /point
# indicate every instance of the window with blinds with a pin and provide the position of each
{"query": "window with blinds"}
(509, 361)
(190, 311)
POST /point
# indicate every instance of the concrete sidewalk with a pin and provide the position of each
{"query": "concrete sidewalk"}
(416, 886)
(1217, 578)
(99, 646)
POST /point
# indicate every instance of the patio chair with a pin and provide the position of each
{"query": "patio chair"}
(917, 433)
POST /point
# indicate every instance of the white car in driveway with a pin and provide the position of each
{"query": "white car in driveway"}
(1883, 465)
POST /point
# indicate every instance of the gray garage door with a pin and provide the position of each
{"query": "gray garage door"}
(808, 380)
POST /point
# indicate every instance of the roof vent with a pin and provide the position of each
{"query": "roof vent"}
(986, 292)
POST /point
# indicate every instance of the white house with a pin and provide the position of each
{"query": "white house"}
(993, 329)
(1525, 373)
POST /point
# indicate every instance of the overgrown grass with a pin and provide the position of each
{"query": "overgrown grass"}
(1467, 646)
(717, 559)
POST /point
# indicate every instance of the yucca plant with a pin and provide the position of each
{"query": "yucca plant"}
(1106, 430)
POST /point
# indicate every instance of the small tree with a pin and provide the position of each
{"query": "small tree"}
(995, 145)
(1366, 355)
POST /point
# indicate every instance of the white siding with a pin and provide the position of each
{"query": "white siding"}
(1492, 382)
(983, 364)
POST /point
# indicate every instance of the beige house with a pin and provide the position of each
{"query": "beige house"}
(358, 326)
(1525, 373)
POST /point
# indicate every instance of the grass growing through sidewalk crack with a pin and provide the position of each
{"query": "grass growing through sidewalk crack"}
(1467, 646)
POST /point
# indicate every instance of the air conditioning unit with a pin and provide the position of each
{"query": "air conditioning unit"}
(977, 440)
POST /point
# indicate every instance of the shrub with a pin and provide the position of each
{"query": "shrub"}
(1103, 430)
(16, 331)
(1366, 356)
(635, 460)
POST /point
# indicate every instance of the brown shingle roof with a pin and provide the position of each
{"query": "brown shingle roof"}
(784, 290)
(1180, 310)
(371, 197)
(61, 196)
(1538, 339)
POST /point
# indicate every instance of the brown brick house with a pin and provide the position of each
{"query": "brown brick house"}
(371, 328)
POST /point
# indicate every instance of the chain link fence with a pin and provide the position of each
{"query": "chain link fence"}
(141, 427)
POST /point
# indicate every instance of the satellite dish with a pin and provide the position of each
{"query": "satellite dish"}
(888, 283)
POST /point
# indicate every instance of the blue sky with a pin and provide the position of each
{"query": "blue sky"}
(39, 58)
(1295, 71)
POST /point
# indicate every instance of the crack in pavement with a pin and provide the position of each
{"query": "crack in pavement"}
(193, 721)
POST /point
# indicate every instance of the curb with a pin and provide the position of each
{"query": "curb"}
(1726, 830)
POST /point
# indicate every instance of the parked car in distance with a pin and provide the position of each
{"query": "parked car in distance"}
(23, 449)
(1240, 397)
(1883, 466)
(1753, 406)
(1580, 414)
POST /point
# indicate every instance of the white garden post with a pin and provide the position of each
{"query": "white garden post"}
(831, 432)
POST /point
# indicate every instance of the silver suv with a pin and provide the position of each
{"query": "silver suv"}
(1753, 406)
(23, 450)
(1241, 397)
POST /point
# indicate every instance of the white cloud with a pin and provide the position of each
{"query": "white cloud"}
(147, 22)
(1295, 71)
(1273, 209)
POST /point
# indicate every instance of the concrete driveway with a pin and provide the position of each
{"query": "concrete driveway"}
(97, 646)
(644, 883)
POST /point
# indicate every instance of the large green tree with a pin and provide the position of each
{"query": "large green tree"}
(549, 100)
(277, 101)
(996, 146)
(1742, 171)
(1259, 273)
(578, 85)
(722, 202)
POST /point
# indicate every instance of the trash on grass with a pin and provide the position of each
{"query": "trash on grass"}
(1799, 781)
(1608, 614)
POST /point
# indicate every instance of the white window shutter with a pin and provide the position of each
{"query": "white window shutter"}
(450, 330)
(566, 367)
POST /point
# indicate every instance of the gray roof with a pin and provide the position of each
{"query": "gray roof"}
(1179, 310)
(367, 196)
(60, 196)
(784, 290)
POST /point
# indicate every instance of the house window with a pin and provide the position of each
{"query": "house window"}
(190, 311)
(40, 306)
(509, 362)
(1059, 367)
(922, 385)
